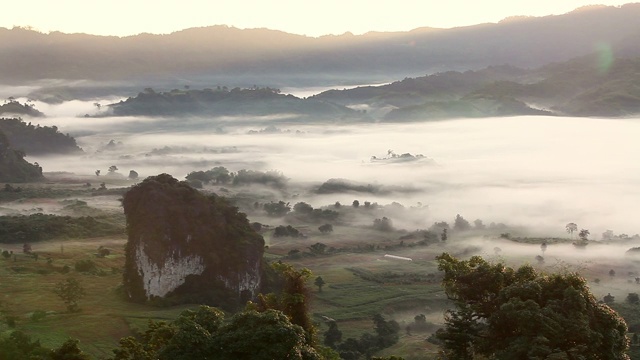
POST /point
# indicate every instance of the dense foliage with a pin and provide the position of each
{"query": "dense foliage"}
(505, 313)
(40, 227)
(19, 346)
(204, 334)
(386, 334)
(37, 140)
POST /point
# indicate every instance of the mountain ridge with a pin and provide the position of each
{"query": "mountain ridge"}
(190, 54)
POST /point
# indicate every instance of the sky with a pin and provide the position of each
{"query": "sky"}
(311, 18)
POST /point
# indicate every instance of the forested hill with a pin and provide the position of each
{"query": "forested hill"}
(13, 166)
(220, 50)
(36, 139)
(593, 85)
(13, 108)
(223, 102)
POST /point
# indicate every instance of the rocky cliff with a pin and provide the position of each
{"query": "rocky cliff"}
(188, 247)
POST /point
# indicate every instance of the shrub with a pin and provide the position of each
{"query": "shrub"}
(383, 224)
(326, 228)
(38, 315)
(282, 231)
(85, 266)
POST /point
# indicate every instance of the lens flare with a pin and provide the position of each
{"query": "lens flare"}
(605, 57)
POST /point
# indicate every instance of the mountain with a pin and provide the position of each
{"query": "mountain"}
(592, 85)
(202, 54)
(225, 102)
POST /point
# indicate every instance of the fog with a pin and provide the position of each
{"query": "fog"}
(538, 172)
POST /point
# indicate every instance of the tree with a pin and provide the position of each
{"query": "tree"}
(318, 248)
(113, 169)
(261, 336)
(303, 208)
(633, 298)
(277, 209)
(133, 174)
(571, 228)
(505, 313)
(443, 235)
(612, 273)
(384, 224)
(607, 235)
(97, 172)
(355, 203)
(333, 335)
(293, 301)
(387, 331)
(460, 224)
(70, 291)
(543, 247)
(202, 334)
(219, 174)
(69, 350)
(609, 299)
(584, 235)
(326, 228)
(281, 231)
(18, 345)
(319, 282)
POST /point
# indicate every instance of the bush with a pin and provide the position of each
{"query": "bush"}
(85, 266)
(326, 228)
(270, 178)
(277, 209)
(383, 224)
(282, 231)
(38, 315)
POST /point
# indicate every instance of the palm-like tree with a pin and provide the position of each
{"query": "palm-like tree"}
(571, 227)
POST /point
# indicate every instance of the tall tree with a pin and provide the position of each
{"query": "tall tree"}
(505, 313)
(294, 298)
(70, 291)
(571, 228)
(319, 282)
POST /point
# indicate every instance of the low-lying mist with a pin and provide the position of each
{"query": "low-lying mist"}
(537, 172)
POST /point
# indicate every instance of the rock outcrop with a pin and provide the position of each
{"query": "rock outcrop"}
(188, 247)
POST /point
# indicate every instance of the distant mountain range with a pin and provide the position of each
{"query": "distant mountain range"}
(592, 85)
(199, 54)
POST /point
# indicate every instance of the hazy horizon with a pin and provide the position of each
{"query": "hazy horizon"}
(73, 16)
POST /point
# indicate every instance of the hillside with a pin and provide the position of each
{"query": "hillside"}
(13, 166)
(202, 54)
(14, 108)
(221, 102)
(36, 139)
(592, 85)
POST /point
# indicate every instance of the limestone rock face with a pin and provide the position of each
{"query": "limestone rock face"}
(185, 245)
